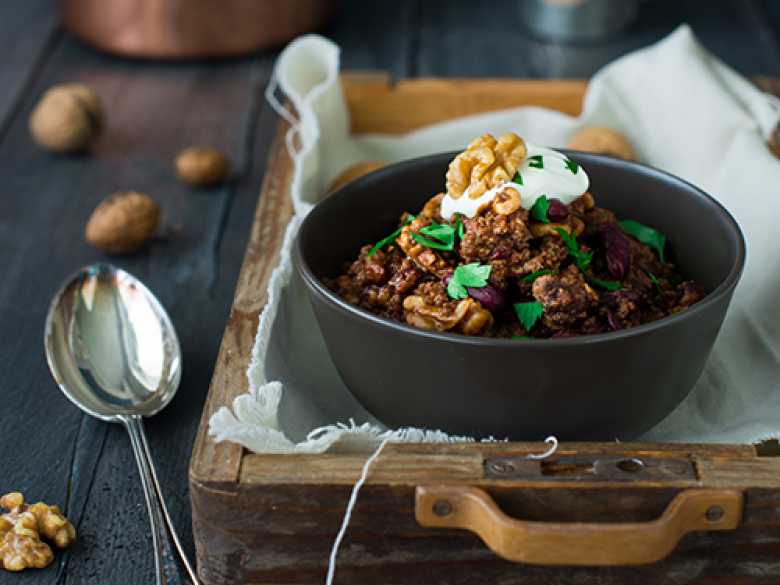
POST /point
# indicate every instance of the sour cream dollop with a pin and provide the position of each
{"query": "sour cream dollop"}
(543, 172)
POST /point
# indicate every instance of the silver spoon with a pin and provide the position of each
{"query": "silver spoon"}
(113, 351)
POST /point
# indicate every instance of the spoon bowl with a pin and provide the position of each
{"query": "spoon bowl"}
(111, 347)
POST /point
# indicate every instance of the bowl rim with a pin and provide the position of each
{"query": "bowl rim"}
(726, 286)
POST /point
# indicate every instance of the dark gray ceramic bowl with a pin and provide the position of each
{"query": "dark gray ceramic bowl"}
(598, 387)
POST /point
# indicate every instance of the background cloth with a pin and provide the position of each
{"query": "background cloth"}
(684, 111)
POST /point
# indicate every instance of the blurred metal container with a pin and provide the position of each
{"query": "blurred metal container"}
(577, 20)
(187, 29)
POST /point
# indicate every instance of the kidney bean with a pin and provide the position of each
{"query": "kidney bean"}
(617, 251)
(557, 212)
(488, 296)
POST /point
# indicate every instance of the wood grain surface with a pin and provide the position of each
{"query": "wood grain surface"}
(52, 452)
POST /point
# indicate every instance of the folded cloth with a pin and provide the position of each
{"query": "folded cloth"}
(686, 113)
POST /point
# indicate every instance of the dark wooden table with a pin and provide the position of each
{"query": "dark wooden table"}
(48, 449)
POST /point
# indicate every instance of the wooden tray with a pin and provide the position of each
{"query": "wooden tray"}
(271, 519)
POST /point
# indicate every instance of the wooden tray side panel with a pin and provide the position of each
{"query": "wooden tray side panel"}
(220, 462)
(377, 106)
(283, 534)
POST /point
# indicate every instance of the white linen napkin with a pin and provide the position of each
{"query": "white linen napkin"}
(685, 112)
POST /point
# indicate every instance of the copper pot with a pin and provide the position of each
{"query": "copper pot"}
(185, 29)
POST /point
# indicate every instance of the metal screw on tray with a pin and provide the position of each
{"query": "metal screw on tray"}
(442, 508)
(714, 513)
(114, 353)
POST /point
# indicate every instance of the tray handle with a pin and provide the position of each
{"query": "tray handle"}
(586, 544)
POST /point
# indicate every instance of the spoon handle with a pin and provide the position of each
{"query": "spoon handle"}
(163, 531)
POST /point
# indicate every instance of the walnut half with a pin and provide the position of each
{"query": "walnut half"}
(467, 315)
(484, 164)
(21, 529)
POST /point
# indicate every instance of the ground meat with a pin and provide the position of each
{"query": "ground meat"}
(622, 309)
(406, 280)
(688, 293)
(549, 256)
(493, 236)
(596, 218)
(566, 298)
(378, 282)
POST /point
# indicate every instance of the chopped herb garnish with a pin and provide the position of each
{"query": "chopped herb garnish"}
(389, 239)
(581, 257)
(529, 313)
(443, 236)
(540, 208)
(572, 166)
(474, 275)
(459, 227)
(518, 179)
(646, 235)
(654, 280)
(605, 284)
(534, 275)
(537, 162)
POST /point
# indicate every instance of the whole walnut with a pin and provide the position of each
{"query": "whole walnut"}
(123, 222)
(67, 118)
(603, 140)
(355, 171)
(202, 166)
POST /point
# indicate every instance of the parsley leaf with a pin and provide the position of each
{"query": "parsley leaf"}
(581, 257)
(605, 284)
(529, 313)
(537, 162)
(445, 234)
(472, 275)
(572, 166)
(459, 227)
(654, 280)
(534, 275)
(522, 337)
(518, 179)
(389, 239)
(646, 235)
(540, 208)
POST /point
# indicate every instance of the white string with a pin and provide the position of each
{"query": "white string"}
(350, 507)
(551, 440)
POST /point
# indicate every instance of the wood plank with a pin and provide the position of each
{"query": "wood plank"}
(220, 462)
(28, 32)
(402, 108)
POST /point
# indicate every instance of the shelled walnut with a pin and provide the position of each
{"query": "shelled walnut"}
(21, 529)
(603, 140)
(485, 163)
(354, 172)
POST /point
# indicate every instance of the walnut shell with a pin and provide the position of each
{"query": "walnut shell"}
(202, 166)
(123, 222)
(355, 171)
(603, 140)
(67, 118)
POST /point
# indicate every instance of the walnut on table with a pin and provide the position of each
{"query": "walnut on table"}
(21, 529)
